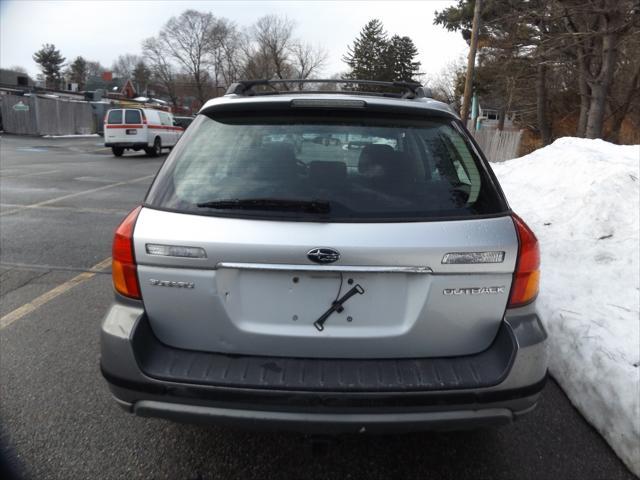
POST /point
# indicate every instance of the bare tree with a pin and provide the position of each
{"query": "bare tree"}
(306, 60)
(273, 38)
(230, 66)
(162, 71)
(444, 84)
(124, 65)
(596, 28)
(224, 44)
(625, 93)
(187, 40)
(94, 69)
(270, 50)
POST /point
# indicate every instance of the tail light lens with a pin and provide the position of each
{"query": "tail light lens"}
(123, 266)
(526, 279)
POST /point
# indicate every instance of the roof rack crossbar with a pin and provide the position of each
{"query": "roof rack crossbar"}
(410, 89)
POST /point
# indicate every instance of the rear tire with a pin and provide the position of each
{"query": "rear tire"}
(117, 151)
(156, 150)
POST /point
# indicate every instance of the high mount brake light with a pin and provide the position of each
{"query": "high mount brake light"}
(526, 279)
(123, 266)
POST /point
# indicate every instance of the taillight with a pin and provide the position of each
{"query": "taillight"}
(123, 260)
(526, 279)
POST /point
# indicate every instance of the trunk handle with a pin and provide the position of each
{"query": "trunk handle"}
(325, 268)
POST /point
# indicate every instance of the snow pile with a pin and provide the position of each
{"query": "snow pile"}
(581, 197)
(75, 135)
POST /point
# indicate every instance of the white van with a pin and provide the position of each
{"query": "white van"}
(140, 128)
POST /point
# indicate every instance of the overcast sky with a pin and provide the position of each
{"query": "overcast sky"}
(102, 30)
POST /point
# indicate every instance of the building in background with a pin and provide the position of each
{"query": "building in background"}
(13, 78)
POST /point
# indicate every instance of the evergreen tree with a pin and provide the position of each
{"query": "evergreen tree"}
(374, 56)
(78, 72)
(50, 61)
(366, 56)
(399, 58)
(141, 76)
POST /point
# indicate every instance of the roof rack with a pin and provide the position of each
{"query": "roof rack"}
(410, 90)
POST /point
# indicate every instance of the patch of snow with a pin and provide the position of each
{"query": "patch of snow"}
(79, 135)
(582, 199)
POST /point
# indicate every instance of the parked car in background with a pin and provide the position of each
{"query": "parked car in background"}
(183, 122)
(268, 279)
(140, 129)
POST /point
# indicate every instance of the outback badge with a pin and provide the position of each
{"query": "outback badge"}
(171, 283)
(474, 291)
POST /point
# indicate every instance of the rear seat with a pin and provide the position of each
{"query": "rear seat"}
(325, 173)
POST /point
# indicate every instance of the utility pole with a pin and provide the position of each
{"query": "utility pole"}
(471, 63)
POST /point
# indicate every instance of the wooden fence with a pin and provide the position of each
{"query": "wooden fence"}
(497, 145)
(33, 115)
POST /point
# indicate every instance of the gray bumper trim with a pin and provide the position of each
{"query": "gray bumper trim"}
(481, 370)
(326, 422)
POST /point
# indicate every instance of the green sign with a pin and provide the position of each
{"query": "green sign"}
(21, 107)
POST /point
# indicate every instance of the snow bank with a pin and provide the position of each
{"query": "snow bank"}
(581, 197)
(75, 135)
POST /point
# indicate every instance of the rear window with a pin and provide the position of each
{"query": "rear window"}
(114, 117)
(132, 116)
(374, 169)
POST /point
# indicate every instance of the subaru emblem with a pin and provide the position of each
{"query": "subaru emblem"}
(323, 255)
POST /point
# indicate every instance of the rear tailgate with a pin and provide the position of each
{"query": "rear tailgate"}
(256, 292)
(400, 191)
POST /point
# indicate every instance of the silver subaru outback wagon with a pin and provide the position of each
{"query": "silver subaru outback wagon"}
(326, 262)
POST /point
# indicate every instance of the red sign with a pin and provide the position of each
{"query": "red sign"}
(107, 76)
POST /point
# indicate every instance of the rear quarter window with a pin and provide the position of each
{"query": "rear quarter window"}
(165, 119)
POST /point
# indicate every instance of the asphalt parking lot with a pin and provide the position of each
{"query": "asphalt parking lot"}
(60, 200)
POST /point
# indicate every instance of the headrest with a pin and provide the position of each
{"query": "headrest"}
(374, 159)
(275, 161)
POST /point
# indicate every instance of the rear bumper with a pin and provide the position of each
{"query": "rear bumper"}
(328, 423)
(325, 396)
(135, 145)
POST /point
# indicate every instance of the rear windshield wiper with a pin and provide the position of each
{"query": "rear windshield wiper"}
(307, 206)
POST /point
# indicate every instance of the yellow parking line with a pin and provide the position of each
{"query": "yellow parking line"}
(46, 297)
(72, 195)
(117, 211)
(33, 174)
